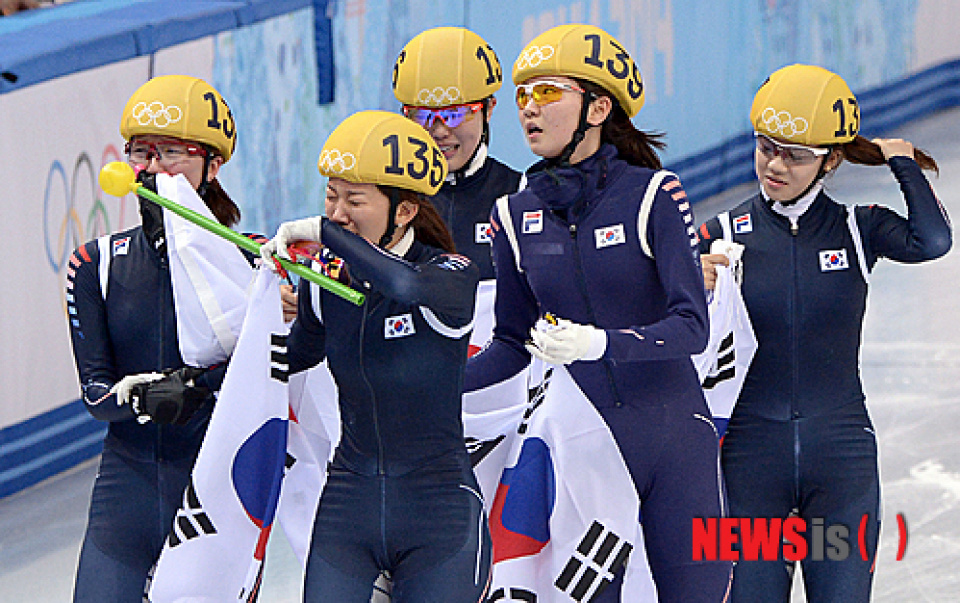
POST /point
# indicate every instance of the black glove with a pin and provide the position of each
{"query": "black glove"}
(148, 180)
(172, 399)
(151, 214)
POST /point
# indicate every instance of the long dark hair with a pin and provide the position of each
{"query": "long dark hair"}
(635, 146)
(221, 205)
(864, 152)
(428, 227)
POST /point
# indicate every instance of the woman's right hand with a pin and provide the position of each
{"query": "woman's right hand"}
(709, 262)
(307, 229)
(894, 147)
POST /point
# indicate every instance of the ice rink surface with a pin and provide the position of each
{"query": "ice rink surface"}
(910, 370)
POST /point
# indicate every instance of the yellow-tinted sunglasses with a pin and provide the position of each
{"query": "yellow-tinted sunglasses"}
(543, 93)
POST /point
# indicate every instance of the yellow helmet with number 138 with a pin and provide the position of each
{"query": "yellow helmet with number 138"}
(586, 52)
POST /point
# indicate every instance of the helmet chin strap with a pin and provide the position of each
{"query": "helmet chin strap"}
(202, 189)
(391, 219)
(485, 136)
(563, 159)
(484, 139)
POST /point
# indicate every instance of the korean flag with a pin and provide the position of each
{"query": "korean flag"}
(609, 235)
(398, 326)
(833, 259)
(483, 233)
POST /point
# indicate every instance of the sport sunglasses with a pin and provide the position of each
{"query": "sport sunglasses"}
(171, 151)
(791, 154)
(543, 93)
(451, 116)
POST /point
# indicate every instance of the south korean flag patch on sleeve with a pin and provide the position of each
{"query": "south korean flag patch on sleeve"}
(398, 326)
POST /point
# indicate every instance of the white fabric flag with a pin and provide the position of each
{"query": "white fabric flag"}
(564, 488)
(483, 316)
(215, 549)
(211, 279)
(313, 436)
(491, 417)
(722, 366)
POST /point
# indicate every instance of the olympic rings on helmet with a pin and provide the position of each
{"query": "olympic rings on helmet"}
(783, 123)
(334, 161)
(533, 56)
(439, 97)
(156, 113)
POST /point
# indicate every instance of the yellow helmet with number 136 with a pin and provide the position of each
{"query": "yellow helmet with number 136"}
(182, 107)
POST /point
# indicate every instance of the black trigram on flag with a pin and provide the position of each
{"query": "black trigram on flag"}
(191, 521)
(725, 367)
(592, 566)
(512, 594)
(535, 399)
(279, 365)
(479, 449)
(288, 463)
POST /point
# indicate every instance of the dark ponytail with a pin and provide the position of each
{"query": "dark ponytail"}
(221, 205)
(864, 152)
(428, 227)
(636, 147)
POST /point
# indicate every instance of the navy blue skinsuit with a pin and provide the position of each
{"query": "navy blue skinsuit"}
(464, 202)
(400, 493)
(655, 316)
(800, 436)
(145, 467)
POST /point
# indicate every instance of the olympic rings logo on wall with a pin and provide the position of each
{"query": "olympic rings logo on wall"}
(156, 113)
(783, 123)
(73, 212)
(534, 56)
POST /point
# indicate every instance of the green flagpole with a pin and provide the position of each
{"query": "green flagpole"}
(117, 178)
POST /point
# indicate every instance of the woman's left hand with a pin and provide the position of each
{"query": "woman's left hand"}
(560, 341)
(894, 147)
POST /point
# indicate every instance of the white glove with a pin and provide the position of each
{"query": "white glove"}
(566, 342)
(123, 387)
(307, 229)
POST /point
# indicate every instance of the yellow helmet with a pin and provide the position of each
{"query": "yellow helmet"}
(379, 147)
(807, 105)
(446, 66)
(586, 52)
(182, 107)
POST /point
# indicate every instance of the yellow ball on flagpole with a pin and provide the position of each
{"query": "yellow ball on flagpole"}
(117, 178)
